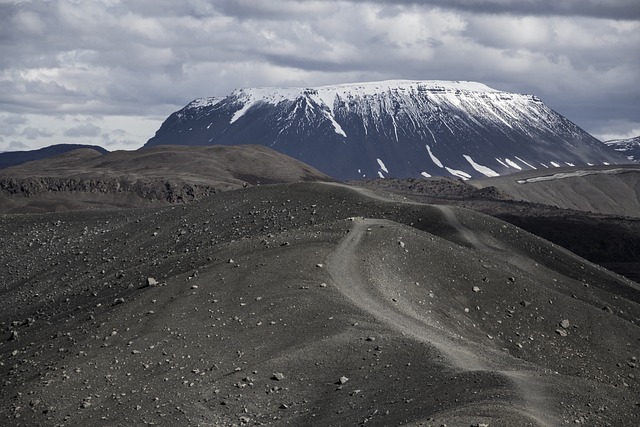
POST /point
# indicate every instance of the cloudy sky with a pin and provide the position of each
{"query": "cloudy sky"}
(108, 72)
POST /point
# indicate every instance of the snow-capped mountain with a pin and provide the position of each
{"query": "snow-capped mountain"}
(629, 147)
(393, 128)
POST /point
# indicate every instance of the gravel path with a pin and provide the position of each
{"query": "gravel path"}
(350, 277)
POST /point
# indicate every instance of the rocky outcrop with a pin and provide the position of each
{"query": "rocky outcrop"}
(168, 191)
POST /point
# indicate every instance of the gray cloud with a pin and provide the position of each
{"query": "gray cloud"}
(150, 57)
(17, 146)
(9, 123)
(83, 130)
(34, 133)
(601, 9)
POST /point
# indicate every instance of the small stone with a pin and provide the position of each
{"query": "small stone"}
(284, 406)
(607, 309)
(476, 289)
(278, 376)
(320, 265)
(118, 301)
(561, 332)
(323, 285)
(13, 336)
(370, 339)
(401, 243)
(230, 261)
(151, 281)
(525, 303)
(342, 380)
(565, 323)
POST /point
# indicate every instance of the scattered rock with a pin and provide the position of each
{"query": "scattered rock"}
(607, 309)
(151, 281)
(320, 265)
(118, 301)
(561, 332)
(476, 289)
(278, 376)
(525, 303)
(342, 380)
(565, 324)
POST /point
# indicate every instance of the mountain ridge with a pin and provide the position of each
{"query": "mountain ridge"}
(395, 128)
(630, 147)
(154, 176)
(14, 158)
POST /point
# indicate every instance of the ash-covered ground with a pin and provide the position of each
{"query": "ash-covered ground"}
(308, 304)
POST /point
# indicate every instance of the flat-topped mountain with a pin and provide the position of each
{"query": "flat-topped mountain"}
(395, 128)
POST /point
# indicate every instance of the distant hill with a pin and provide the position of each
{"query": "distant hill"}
(14, 158)
(82, 179)
(611, 190)
(630, 147)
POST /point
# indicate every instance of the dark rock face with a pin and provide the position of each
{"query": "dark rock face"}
(153, 191)
(392, 129)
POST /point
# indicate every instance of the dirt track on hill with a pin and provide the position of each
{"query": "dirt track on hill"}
(383, 327)
(350, 276)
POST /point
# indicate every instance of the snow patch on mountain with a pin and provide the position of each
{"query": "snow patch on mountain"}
(528, 164)
(382, 166)
(513, 164)
(502, 163)
(204, 102)
(336, 126)
(578, 173)
(458, 173)
(482, 169)
(327, 96)
(434, 159)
